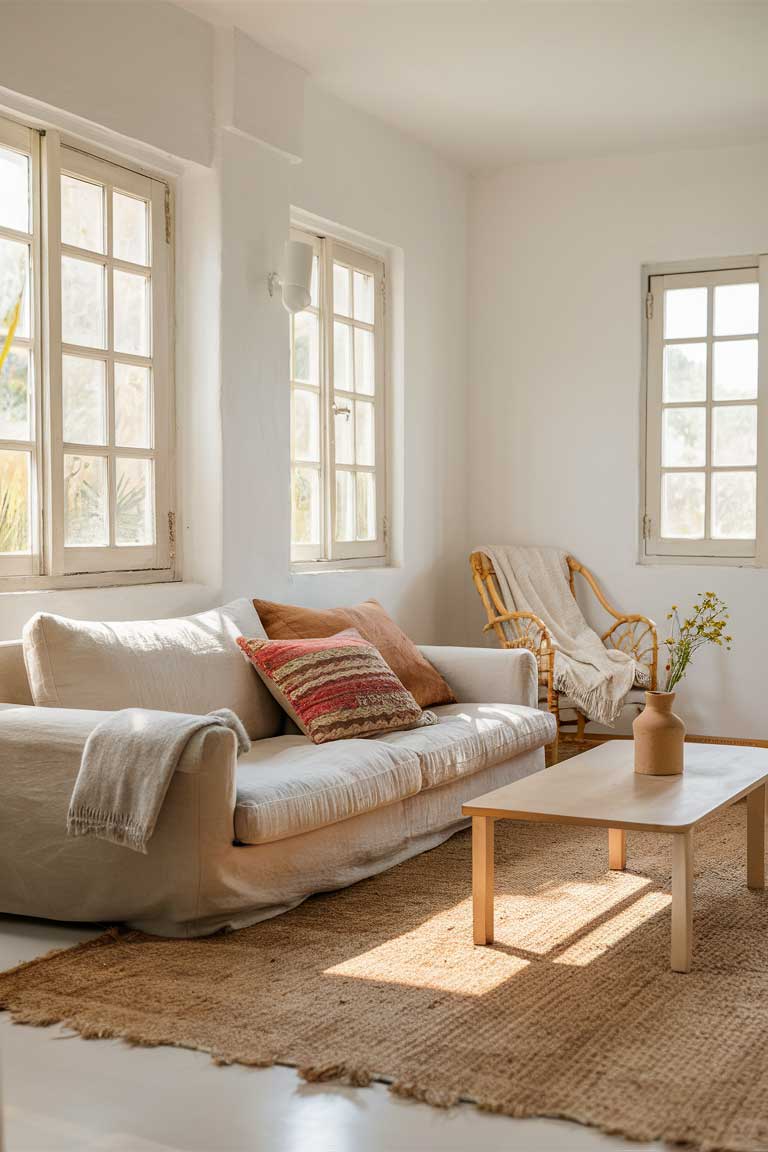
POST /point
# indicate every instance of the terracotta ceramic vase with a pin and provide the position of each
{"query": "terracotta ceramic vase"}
(659, 736)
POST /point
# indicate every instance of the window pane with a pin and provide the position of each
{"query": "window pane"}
(734, 435)
(306, 425)
(15, 395)
(82, 302)
(131, 313)
(341, 293)
(733, 505)
(129, 228)
(364, 433)
(134, 502)
(305, 522)
(685, 372)
(345, 506)
(366, 506)
(342, 356)
(306, 348)
(736, 309)
(85, 502)
(82, 214)
(15, 533)
(682, 505)
(363, 287)
(14, 286)
(735, 370)
(14, 190)
(685, 312)
(133, 413)
(84, 400)
(364, 374)
(344, 439)
(684, 437)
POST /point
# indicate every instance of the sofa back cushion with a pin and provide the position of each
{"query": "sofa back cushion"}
(189, 664)
(414, 671)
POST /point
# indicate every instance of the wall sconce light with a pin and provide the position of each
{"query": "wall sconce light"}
(297, 276)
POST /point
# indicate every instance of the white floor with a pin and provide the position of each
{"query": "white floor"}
(63, 1094)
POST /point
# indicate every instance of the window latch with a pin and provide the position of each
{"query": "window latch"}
(342, 410)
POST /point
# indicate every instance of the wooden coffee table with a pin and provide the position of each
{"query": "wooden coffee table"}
(600, 788)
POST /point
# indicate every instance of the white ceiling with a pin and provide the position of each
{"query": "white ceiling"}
(492, 82)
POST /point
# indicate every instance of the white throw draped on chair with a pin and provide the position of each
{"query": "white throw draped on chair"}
(597, 679)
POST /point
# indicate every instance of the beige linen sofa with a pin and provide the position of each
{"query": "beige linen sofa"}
(238, 841)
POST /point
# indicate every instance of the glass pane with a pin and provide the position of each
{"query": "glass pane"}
(733, 505)
(363, 286)
(685, 372)
(684, 437)
(82, 302)
(305, 521)
(364, 375)
(134, 502)
(15, 394)
(82, 214)
(366, 506)
(736, 309)
(14, 280)
(314, 293)
(85, 501)
(306, 425)
(685, 312)
(682, 505)
(344, 438)
(131, 313)
(345, 506)
(14, 190)
(84, 400)
(15, 533)
(364, 433)
(341, 293)
(306, 348)
(133, 411)
(129, 228)
(342, 356)
(734, 435)
(735, 370)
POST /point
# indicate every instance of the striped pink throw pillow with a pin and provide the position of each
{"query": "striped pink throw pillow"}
(335, 688)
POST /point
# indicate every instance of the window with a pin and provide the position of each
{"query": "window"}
(338, 501)
(86, 428)
(706, 480)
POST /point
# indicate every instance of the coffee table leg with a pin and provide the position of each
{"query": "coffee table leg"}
(617, 849)
(482, 879)
(682, 900)
(756, 838)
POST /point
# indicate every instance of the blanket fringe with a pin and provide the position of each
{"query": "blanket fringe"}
(118, 829)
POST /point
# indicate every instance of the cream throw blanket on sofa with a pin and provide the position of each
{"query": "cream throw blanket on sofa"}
(597, 679)
(126, 769)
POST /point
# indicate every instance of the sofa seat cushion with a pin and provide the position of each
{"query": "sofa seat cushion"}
(287, 785)
(469, 737)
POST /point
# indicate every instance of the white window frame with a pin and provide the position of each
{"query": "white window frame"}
(51, 564)
(656, 549)
(329, 552)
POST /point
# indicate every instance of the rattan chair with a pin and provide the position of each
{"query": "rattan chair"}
(633, 634)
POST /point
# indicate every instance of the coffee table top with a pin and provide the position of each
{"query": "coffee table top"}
(600, 787)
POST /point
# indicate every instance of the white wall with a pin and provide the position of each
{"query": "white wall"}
(363, 175)
(232, 340)
(555, 346)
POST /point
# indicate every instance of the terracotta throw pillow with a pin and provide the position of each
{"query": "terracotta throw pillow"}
(335, 688)
(414, 671)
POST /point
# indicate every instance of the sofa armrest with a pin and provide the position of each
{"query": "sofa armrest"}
(45, 872)
(487, 675)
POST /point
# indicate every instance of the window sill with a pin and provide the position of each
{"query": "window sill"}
(329, 567)
(700, 561)
(83, 580)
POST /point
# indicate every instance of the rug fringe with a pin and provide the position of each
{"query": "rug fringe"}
(342, 1073)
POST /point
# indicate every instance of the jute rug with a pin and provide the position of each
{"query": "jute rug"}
(574, 1012)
